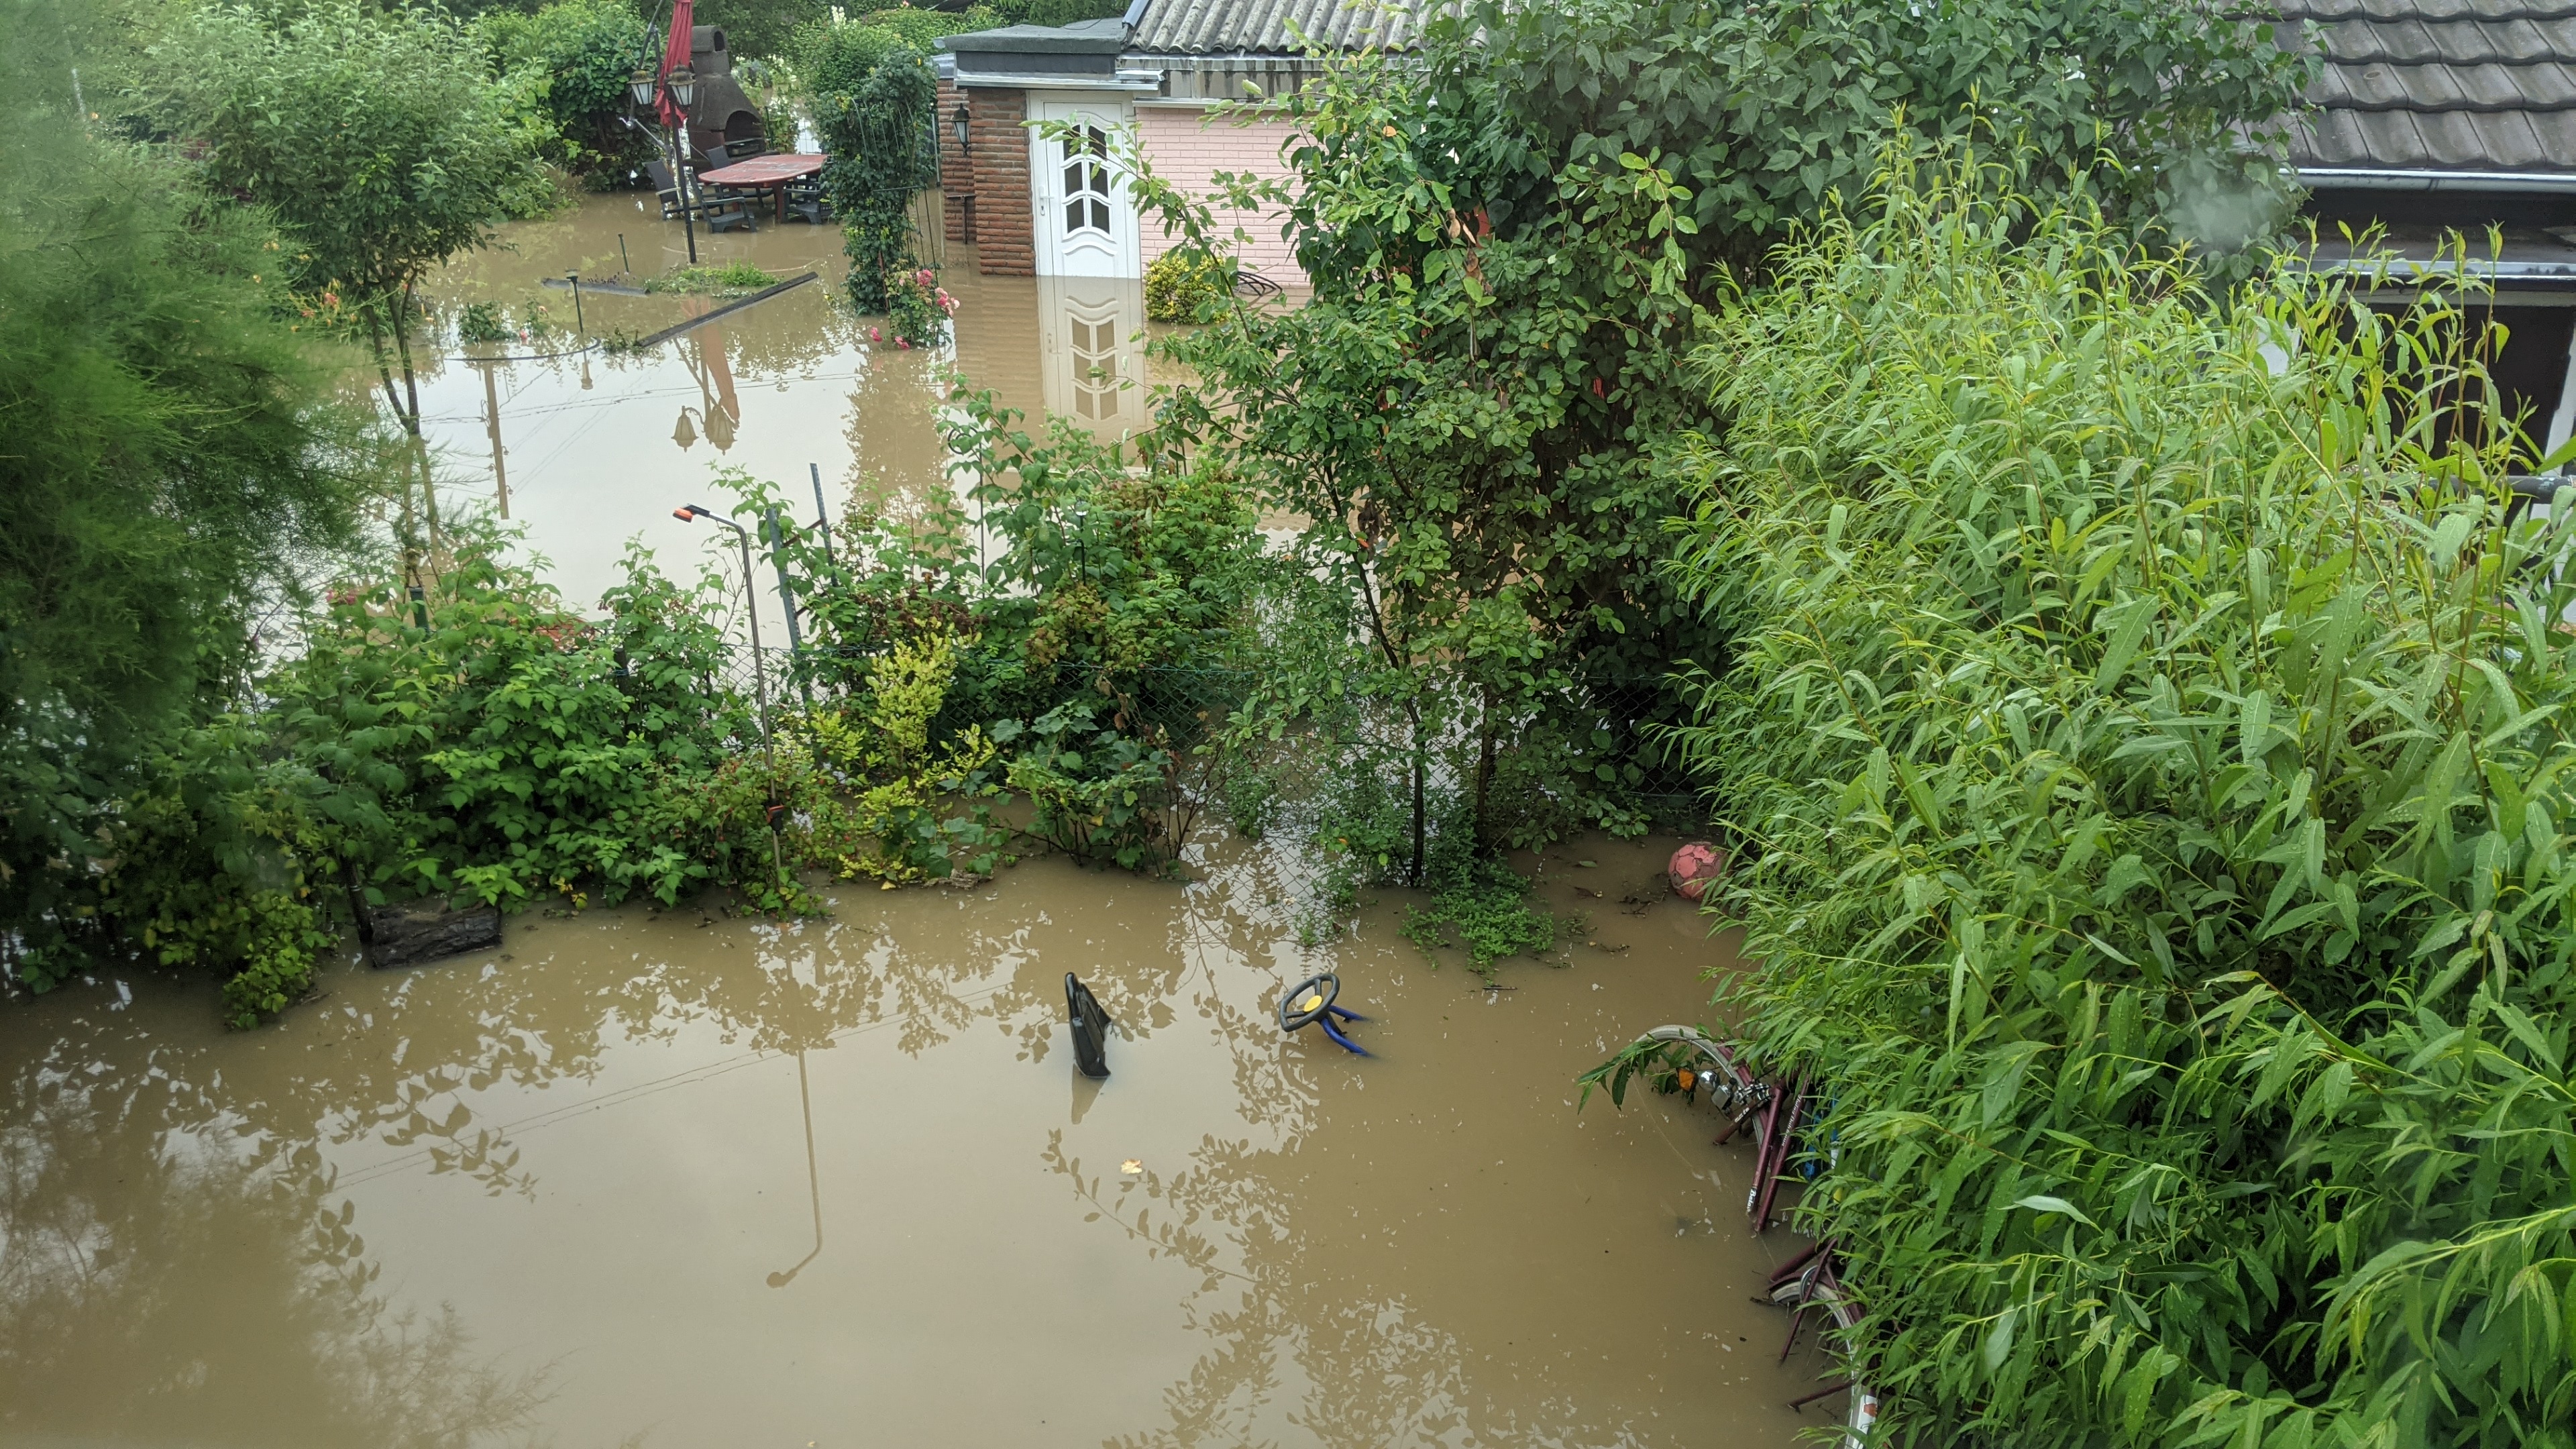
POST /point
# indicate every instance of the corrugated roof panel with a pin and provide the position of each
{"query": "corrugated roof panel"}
(1272, 27)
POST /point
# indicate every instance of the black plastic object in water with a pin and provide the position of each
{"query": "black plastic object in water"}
(1090, 1027)
(1311, 1002)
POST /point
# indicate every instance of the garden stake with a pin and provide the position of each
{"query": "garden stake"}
(773, 533)
(1824, 1393)
(823, 522)
(690, 513)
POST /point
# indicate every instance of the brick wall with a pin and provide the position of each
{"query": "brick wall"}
(1000, 181)
(1187, 153)
(956, 177)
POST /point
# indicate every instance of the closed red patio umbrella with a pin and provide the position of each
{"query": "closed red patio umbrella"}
(675, 55)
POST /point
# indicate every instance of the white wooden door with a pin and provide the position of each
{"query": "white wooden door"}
(1086, 226)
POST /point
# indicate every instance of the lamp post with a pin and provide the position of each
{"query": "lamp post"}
(683, 85)
(813, 1179)
(690, 513)
(717, 424)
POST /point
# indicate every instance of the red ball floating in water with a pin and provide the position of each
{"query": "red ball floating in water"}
(1695, 867)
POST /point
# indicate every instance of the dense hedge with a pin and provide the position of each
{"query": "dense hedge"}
(573, 58)
(2149, 759)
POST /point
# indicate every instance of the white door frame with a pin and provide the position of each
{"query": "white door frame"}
(1084, 220)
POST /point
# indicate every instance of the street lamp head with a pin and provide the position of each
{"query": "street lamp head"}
(684, 86)
(692, 512)
(640, 86)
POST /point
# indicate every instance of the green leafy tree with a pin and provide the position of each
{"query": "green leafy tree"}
(379, 141)
(1469, 425)
(582, 52)
(1766, 110)
(758, 28)
(875, 101)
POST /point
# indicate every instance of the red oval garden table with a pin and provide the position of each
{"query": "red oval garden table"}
(772, 174)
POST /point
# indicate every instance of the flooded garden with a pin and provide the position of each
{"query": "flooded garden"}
(1904, 790)
(585, 446)
(666, 1173)
(647, 1176)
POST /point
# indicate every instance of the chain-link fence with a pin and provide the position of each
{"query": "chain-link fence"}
(1589, 753)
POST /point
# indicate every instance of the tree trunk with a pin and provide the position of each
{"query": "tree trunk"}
(428, 930)
(1420, 771)
(402, 345)
(1485, 753)
(410, 414)
(407, 529)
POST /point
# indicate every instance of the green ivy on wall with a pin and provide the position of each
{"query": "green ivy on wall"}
(875, 103)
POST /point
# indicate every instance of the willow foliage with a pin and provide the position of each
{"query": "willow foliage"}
(2152, 763)
(170, 473)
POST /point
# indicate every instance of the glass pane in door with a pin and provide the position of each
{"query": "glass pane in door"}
(1086, 181)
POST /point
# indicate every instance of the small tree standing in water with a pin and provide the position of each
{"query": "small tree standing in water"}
(380, 142)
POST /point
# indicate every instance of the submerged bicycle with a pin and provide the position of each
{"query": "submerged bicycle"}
(1779, 1114)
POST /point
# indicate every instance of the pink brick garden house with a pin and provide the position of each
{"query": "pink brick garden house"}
(1034, 207)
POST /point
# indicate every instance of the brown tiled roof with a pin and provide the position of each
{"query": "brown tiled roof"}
(2443, 85)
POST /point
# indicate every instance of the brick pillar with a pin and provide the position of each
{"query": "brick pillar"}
(956, 172)
(1003, 239)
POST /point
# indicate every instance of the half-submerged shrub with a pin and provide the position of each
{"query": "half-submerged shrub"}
(1178, 283)
(2149, 752)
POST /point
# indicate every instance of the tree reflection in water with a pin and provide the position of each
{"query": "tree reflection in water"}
(211, 1295)
(179, 1260)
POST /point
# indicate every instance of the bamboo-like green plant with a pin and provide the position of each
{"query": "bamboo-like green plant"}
(2149, 751)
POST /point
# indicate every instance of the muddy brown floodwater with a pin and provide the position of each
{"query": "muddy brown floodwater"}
(586, 449)
(675, 1178)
